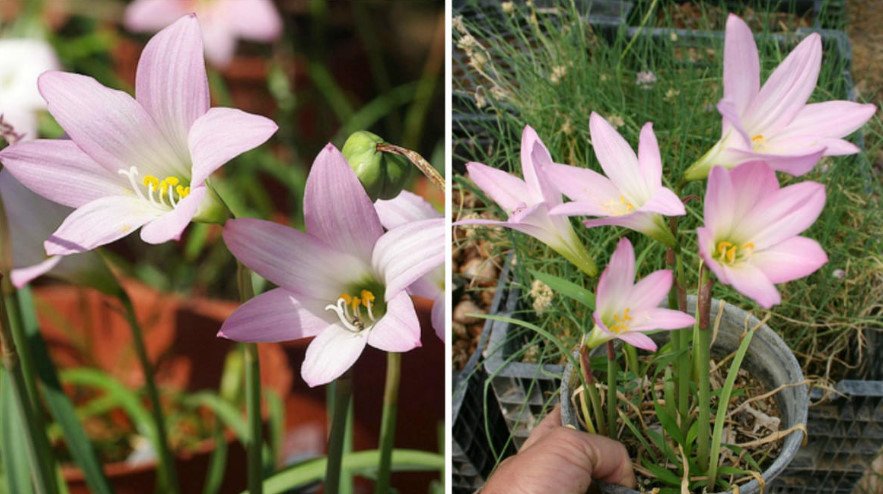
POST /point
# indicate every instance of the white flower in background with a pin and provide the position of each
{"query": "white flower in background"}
(21, 63)
(645, 79)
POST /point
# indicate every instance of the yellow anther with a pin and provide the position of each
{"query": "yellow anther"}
(367, 298)
(730, 253)
(758, 138)
(356, 302)
(151, 180)
(347, 298)
(182, 191)
(173, 181)
(621, 321)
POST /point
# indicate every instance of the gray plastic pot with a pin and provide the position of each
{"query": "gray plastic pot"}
(768, 359)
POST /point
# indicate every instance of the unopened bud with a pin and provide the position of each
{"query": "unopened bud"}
(384, 175)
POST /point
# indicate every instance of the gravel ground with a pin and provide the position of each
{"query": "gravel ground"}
(865, 29)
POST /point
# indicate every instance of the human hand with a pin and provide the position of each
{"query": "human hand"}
(556, 459)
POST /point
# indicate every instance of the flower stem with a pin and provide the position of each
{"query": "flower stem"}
(37, 447)
(168, 474)
(419, 161)
(591, 390)
(611, 390)
(252, 394)
(702, 362)
(342, 394)
(388, 422)
(680, 339)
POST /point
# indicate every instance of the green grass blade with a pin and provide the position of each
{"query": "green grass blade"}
(566, 288)
(217, 466)
(15, 465)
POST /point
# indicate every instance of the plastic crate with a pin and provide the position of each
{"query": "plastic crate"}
(825, 14)
(845, 436)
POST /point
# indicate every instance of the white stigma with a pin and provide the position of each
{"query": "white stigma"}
(353, 323)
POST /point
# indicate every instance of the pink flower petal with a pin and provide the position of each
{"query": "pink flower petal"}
(830, 119)
(220, 43)
(659, 318)
(792, 161)
(579, 208)
(296, 261)
(638, 340)
(222, 134)
(171, 83)
(741, 64)
(639, 222)
(276, 315)
(438, 316)
(170, 225)
(618, 160)
(720, 202)
(649, 159)
(584, 186)
(785, 214)
(664, 202)
(791, 259)
(398, 330)
(651, 290)
(406, 253)
(705, 240)
(786, 91)
(616, 280)
(535, 158)
(404, 208)
(256, 20)
(508, 191)
(59, 171)
(100, 222)
(22, 276)
(733, 122)
(152, 15)
(330, 354)
(337, 208)
(750, 281)
(109, 125)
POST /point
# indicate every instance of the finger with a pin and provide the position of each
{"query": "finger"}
(609, 459)
(549, 423)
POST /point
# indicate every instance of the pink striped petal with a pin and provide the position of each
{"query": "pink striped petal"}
(750, 281)
(222, 134)
(791, 259)
(639, 222)
(100, 222)
(579, 208)
(152, 15)
(785, 214)
(583, 185)
(617, 279)
(664, 202)
(793, 161)
(171, 82)
(508, 191)
(829, 119)
(649, 159)
(22, 276)
(398, 330)
(109, 125)
(171, 225)
(296, 261)
(337, 208)
(535, 158)
(786, 91)
(404, 208)
(720, 202)
(638, 340)
(705, 241)
(733, 122)
(438, 316)
(59, 171)
(659, 318)
(651, 290)
(741, 64)
(406, 253)
(276, 315)
(330, 354)
(618, 160)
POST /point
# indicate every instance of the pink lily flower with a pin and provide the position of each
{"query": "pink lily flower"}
(528, 202)
(135, 162)
(343, 282)
(404, 209)
(626, 310)
(223, 22)
(31, 219)
(774, 123)
(750, 237)
(21, 62)
(631, 195)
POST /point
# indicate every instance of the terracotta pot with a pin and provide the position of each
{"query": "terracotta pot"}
(85, 328)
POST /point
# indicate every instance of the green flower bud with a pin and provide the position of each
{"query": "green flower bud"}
(383, 175)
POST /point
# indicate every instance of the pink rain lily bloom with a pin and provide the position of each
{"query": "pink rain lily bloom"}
(631, 195)
(528, 202)
(774, 123)
(21, 62)
(750, 236)
(626, 310)
(135, 162)
(404, 209)
(223, 22)
(343, 282)
(31, 219)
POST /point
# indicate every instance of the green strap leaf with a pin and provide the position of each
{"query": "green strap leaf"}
(16, 466)
(566, 288)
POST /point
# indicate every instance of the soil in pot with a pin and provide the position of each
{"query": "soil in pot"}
(766, 412)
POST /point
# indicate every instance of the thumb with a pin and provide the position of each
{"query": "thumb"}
(608, 459)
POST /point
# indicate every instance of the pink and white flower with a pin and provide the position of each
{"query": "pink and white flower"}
(21, 63)
(223, 22)
(774, 123)
(528, 202)
(343, 282)
(404, 209)
(626, 310)
(135, 162)
(750, 237)
(631, 195)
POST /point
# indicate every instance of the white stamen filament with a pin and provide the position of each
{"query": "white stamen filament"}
(131, 173)
(351, 323)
